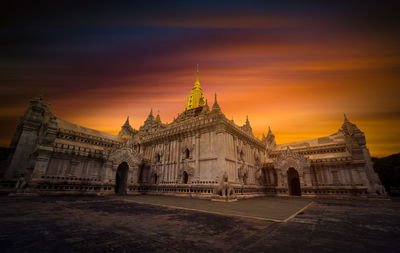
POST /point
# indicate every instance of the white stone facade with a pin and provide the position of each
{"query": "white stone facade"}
(187, 157)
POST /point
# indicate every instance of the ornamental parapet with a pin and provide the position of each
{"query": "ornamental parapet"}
(177, 129)
(77, 150)
(331, 148)
(194, 125)
(326, 191)
(86, 138)
(337, 160)
(239, 131)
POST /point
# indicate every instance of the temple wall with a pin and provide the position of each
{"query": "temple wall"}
(21, 159)
(189, 158)
(78, 167)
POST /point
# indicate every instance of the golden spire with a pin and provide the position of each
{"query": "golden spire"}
(196, 98)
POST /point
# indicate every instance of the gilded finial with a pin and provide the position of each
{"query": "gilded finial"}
(158, 116)
(196, 98)
(197, 75)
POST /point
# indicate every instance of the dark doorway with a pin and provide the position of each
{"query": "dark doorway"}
(185, 177)
(121, 179)
(155, 178)
(140, 174)
(293, 182)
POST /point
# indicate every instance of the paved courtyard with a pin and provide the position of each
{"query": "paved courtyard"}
(112, 224)
(266, 208)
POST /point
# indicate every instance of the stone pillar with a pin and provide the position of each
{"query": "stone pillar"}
(74, 166)
(282, 178)
(349, 172)
(107, 172)
(235, 155)
(307, 176)
(220, 154)
(174, 158)
(197, 157)
(179, 162)
(114, 173)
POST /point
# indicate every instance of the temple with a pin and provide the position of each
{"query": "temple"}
(201, 153)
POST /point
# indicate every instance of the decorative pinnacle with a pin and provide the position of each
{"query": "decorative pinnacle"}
(127, 121)
(269, 132)
(158, 116)
(215, 105)
(345, 118)
(247, 120)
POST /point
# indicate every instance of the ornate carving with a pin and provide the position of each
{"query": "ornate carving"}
(158, 154)
(125, 154)
(257, 160)
(188, 168)
(243, 173)
(156, 173)
(289, 159)
(240, 152)
(184, 149)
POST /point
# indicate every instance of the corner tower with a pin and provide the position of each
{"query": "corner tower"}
(196, 98)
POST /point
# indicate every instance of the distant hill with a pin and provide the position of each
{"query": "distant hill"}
(388, 169)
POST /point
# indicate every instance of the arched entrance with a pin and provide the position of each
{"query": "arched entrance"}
(155, 177)
(121, 179)
(187, 153)
(185, 177)
(293, 182)
(140, 173)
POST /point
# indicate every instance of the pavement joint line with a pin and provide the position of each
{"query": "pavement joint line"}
(219, 213)
(299, 211)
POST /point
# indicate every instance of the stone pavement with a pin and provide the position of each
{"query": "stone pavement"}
(268, 208)
(107, 224)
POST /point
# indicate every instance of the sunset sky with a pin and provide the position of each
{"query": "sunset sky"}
(294, 66)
